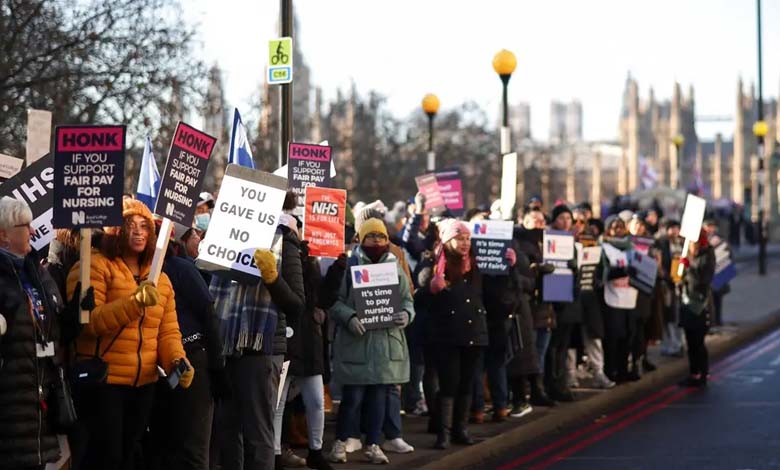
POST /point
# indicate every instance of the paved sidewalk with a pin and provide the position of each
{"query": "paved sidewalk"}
(751, 301)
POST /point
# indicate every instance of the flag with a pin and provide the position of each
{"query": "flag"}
(647, 175)
(240, 153)
(149, 178)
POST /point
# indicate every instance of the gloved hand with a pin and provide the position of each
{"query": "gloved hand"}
(341, 261)
(88, 302)
(266, 263)
(319, 315)
(511, 256)
(572, 264)
(419, 203)
(221, 387)
(631, 270)
(146, 295)
(685, 262)
(401, 319)
(545, 268)
(438, 284)
(186, 378)
(356, 327)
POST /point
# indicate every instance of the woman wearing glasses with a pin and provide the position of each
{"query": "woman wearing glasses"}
(132, 329)
(29, 305)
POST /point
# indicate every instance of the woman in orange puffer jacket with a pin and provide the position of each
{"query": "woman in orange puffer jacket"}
(133, 328)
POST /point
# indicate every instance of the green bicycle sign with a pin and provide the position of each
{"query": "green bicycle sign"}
(280, 60)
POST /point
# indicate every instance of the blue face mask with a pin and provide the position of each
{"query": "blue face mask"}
(202, 221)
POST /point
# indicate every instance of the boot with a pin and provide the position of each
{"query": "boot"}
(317, 461)
(460, 435)
(444, 412)
(538, 396)
(433, 415)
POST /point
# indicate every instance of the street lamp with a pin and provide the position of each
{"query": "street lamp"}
(430, 105)
(678, 141)
(760, 130)
(504, 63)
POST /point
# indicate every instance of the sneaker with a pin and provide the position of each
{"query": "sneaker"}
(375, 455)
(601, 381)
(397, 446)
(289, 459)
(520, 410)
(338, 454)
(353, 444)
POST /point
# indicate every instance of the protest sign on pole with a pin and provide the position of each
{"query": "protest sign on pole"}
(308, 165)
(558, 249)
(725, 268)
(451, 190)
(9, 166)
(181, 183)
(429, 186)
(490, 240)
(588, 258)
(35, 186)
(644, 273)
(376, 294)
(89, 171)
(508, 185)
(323, 221)
(690, 227)
(245, 217)
(38, 135)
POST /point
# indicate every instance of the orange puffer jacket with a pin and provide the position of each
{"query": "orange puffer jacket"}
(142, 337)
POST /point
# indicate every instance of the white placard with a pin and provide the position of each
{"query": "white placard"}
(38, 134)
(493, 229)
(693, 216)
(558, 246)
(588, 255)
(9, 166)
(508, 185)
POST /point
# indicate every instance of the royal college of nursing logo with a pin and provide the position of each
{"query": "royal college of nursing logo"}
(480, 229)
(361, 276)
(551, 246)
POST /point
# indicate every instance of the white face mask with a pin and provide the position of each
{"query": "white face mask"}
(202, 221)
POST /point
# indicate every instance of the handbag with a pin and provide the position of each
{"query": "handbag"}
(62, 410)
(93, 370)
(514, 339)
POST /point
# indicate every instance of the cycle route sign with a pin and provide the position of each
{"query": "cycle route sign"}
(280, 61)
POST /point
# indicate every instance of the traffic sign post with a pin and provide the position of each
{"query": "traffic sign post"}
(280, 61)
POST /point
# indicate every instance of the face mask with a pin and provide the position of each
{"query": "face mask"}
(202, 221)
(375, 253)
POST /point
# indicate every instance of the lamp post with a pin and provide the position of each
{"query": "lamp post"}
(430, 105)
(760, 129)
(504, 63)
(678, 141)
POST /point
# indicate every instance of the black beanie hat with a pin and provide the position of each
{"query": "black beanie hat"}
(558, 210)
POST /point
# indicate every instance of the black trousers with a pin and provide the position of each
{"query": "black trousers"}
(456, 367)
(698, 357)
(180, 427)
(557, 354)
(116, 417)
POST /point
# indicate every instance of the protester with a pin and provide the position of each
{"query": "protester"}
(715, 241)
(417, 235)
(132, 329)
(249, 315)
(29, 338)
(694, 310)
(671, 245)
(368, 362)
(452, 294)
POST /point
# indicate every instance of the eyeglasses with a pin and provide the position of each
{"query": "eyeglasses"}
(142, 227)
(27, 224)
(380, 237)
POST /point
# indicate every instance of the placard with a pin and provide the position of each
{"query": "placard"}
(693, 216)
(725, 268)
(642, 244)
(35, 186)
(557, 245)
(508, 185)
(429, 186)
(618, 293)
(308, 165)
(244, 219)
(646, 271)
(184, 174)
(38, 135)
(451, 189)
(89, 173)
(490, 240)
(9, 166)
(323, 221)
(376, 294)
(588, 258)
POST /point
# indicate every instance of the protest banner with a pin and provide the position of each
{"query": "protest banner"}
(376, 294)
(451, 189)
(35, 186)
(725, 268)
(644, 273)
(429, 186)
(588, 258)
(245, 217)
(323, 221)
(690, 227)
(308, 165)
(489, 240)
(618, 293)
(89, 172)
(9, 166)
(508, 185)
(558, 249)
(38, 135)
(642, 244)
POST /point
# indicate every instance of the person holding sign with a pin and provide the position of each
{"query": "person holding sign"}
(132, 329)
(369, 354)
(451, 294)
(29, 336)
(695, 310)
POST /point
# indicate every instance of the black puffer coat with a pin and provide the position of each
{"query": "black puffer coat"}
(526, 361)
(26, 439)
(306, 346)
(529, 242)
(288, 295)
(697, 290)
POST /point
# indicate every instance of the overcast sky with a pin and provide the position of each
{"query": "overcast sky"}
(566, 49)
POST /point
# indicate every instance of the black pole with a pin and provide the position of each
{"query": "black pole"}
(505, 80)
(286, 134)
(762, 229)
(430, 131)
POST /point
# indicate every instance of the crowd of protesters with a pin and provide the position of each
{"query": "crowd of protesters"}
(459, 336)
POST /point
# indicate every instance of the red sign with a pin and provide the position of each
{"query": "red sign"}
(429, 186)
(91, 139)
(193, 141)
(323, 221)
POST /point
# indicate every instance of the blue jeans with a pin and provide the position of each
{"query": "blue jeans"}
(411, 390)
(349, 417)
(392, 425)
(497, 381)
(543, 336)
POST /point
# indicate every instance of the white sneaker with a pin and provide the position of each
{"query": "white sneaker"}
(375, 455)
(398, 446)
(353, 444)
(600, 380)
(338, 453)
